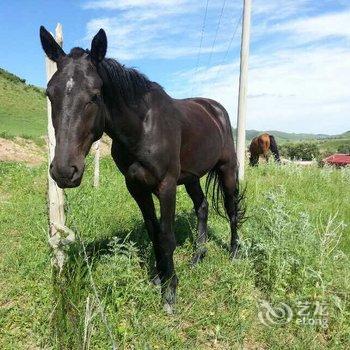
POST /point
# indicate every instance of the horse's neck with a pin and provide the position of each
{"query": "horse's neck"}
(123, 123)
(122, 90)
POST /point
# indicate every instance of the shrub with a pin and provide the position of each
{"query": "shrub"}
(301, 151)
(344, 148)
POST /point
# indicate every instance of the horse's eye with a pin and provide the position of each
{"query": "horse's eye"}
(95, 98)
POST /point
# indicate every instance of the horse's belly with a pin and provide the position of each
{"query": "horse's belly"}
(203, 137)
(199, 156)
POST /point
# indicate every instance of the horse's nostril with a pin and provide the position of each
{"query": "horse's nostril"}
(75, 172)
(65, 174)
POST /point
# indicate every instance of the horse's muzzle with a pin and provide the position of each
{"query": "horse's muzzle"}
(66, 176)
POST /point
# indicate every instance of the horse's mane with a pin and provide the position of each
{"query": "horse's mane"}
(126, 83)
(119, 82)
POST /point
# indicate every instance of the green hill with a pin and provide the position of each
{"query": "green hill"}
(22, 108)
(284, 136)
(344, 135)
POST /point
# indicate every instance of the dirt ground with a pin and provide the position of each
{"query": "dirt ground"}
(21, 150)
(27, 151)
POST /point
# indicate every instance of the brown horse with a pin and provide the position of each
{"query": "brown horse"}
(158, 143)
(261, 145)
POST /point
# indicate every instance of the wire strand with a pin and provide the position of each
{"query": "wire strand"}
(216, 32)
(223, 61)
(200, 45)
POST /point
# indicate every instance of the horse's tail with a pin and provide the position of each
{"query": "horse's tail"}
(274, 149)
(217, 196)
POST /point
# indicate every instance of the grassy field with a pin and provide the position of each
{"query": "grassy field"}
(295, 250)
(22, 108)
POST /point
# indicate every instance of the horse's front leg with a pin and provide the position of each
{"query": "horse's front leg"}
(165, 243)
(143, 198)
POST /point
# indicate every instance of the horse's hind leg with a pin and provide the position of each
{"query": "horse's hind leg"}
(229, 182)
(201, 208)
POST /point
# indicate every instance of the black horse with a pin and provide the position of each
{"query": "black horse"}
(158, 143)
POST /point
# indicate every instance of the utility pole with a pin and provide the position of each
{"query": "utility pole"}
(242, 96)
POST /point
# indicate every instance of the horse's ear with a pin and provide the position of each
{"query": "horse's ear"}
(53, 51)
(98, 47)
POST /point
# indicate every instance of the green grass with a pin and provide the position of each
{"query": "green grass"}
(22, 108)
(295, 248)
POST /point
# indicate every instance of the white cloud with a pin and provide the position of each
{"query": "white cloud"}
(160, 29)
(129, 40)
(127, 4)
(278, 8)
(293, 90)
(299, 65)
(323, 26)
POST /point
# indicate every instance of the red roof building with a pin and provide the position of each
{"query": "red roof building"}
(338, 159)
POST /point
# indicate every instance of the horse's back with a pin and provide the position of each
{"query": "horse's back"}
(203, 112)
(264, 141)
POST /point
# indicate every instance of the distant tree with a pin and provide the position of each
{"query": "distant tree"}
(344, 148)
(301, 151)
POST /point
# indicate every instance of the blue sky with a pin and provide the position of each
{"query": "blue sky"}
(299, 66)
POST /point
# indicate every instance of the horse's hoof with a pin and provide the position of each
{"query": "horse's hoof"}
(198, 256)
(169, 294)
(168, 308)
(234, 252)
(156, 280)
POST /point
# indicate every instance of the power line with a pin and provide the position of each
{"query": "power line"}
(223, 61)
(200, 43)
(216, 32)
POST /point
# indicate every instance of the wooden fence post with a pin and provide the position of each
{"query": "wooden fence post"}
(59, 234)
(97, 164)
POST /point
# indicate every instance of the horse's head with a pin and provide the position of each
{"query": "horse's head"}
(77, 105)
